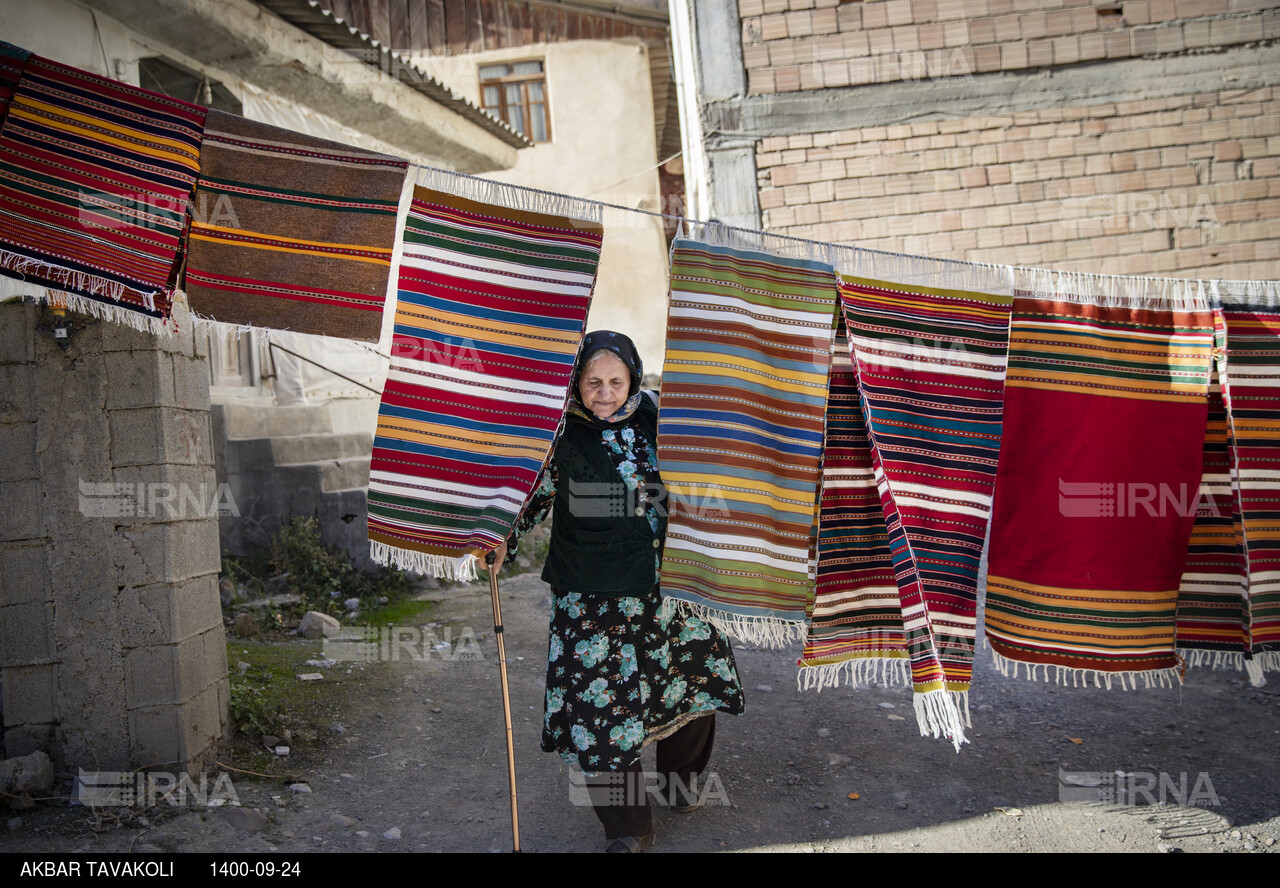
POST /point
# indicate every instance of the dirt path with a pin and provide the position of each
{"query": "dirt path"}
(421, 751)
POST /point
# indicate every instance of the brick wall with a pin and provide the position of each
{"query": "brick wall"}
(1186, 186)
(794, 45)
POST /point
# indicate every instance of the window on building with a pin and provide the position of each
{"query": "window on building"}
(517, 93)
(162, 75)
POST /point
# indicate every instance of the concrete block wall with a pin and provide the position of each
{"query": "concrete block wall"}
(1184, 186)
(111, 638)
(1134, 138)
(793, 45)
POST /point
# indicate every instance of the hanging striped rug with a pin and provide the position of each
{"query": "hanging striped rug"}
(491, 309)
(929, 350)
(1212, 609)
(1251, 388)
(291, 232)
(1105, 421)
(95, 185)
(12, 60)
(855, 630)
(744, 389)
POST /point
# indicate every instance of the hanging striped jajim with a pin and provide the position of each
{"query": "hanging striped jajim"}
(1105, 423)
(95, 188)
(855, 626)
(930, 361)
(12, 60)
(292, 232)
(1250, 367)
(491, 310)
(744, 388)
(1212, 609)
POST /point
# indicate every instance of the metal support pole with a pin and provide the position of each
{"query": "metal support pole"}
(490, 559)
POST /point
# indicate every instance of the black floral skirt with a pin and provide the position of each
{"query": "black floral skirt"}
(623, 672)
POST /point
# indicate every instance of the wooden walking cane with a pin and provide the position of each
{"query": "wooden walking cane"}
(491, 560)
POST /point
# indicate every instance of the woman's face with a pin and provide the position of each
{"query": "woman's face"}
(604, 385)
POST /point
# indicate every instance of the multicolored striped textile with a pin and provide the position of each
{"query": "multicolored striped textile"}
(95, 185)
(930, 362)
(12, 61)
(291, 232)
(1106, 411)
(855, 627)
(744, 389)
(491, 310)
(1250, 368)
(1212, 609)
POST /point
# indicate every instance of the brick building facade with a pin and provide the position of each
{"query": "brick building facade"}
(1121, 137)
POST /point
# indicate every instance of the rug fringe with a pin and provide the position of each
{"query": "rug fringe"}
(943, 714)
(855, 673)
(763, 632)
(461, 568)
(1113, 291)
(942, 274)
(1201, 659)
(10, 286)
(1128, 681)
(721, 235)
(515, 197)
(204, 326)
(1253, 294)
(1260, 663)
(104, 311)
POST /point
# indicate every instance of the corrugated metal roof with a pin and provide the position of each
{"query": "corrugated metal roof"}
(312, 17)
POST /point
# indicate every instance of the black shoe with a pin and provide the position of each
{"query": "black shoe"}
(628, 844)
(683, 802)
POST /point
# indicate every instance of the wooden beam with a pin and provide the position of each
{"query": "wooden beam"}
(379, 21)
(399, 12)
(475, 27)
(418, 24)
(455, 26)
(435, 28)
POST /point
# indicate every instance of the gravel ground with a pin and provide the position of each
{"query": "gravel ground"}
(420, 765)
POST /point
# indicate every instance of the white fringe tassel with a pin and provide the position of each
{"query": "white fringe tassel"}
(1251, 294)
(1267, 661)
(39, 292)
(1128, 681)
(718, 234)
(462, 568)
(1198, 659)
(209, 327)
(515, 197)
(1114, 291)
(856, 673)
(1254, 667)
(763, 632)
(943, 714)
(942, 274)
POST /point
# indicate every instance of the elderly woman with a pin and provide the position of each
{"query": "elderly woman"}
(622, 670)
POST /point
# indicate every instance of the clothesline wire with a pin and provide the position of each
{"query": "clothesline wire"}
(714, 223)
(640, 173)
(684, 220)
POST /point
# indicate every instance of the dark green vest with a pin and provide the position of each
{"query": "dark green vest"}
(599, 545)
